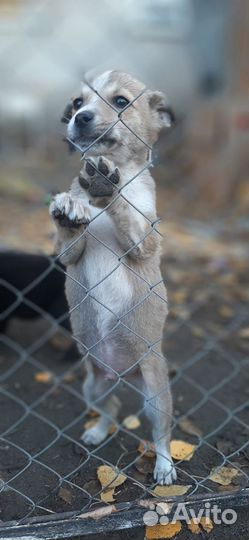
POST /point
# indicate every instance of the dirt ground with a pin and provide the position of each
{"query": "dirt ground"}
(206, 340)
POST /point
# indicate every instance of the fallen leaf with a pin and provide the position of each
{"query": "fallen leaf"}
(170, 491)
(189, 427)
(132, 422)
(184, 314)
(44, 376)
(182, 450)
(99, 513)
(244, 333)
(21, 189)
(66, 495)
(147, 449)
(206, 524)
(163, 531)
(110, 477)
(226, 311)
(179, 296)
(194, 527)
(223, 475)
(108, 496)
(60, 341)
(69, 377)
(231, 488)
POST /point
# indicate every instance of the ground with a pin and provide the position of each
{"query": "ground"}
(205, 266)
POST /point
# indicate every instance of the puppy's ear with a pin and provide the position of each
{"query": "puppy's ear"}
(164, 114)
(67, 115)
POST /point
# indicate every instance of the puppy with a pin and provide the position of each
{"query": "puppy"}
(107, 239)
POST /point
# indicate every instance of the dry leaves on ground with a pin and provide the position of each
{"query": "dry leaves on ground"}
(109, 478)
(131, 422)
(163, 531)
(181, 450)
(44, 377)
(244, 333)
(66, 495)
(223, 475)
(205, 524)
(170, 491)
(226, 311)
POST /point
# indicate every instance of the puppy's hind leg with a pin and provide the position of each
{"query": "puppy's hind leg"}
(95, 385)
(158, 407)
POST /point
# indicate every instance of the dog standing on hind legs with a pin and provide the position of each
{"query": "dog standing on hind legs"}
(107, 240)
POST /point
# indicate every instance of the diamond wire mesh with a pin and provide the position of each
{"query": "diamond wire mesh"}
(35, 466)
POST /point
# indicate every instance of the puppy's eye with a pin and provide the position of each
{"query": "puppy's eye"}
(121, 102)
(77, 103)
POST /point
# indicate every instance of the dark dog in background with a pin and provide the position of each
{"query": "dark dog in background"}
(18, 271)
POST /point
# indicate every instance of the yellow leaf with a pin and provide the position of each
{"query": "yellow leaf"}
(69, 377)
(44, 376)
(107, 496)
(132, 422)
(170, 491)
(179, 296)
(223, 475)
(193, 527)
(110, 477)
(182, 450)
(244, 333)
(163, 531)
(206, 524)
(226, 311)
(60, 341)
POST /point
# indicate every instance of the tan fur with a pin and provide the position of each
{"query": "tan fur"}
(106, 236)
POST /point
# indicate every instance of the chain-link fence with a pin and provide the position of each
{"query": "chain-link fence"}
(47, 471)
(53, 482)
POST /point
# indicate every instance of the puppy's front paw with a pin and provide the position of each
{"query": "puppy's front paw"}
(69, 211)
(164, 472)
(99, 177)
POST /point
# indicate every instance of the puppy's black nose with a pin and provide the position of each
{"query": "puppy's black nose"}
(82, 118)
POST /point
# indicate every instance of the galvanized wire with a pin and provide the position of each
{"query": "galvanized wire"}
(28, 356)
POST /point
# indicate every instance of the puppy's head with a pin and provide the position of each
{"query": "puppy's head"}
(114, 115)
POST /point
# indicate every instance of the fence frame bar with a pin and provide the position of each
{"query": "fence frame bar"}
(128, 516)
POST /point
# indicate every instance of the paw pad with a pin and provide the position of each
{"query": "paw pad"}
(98, 177)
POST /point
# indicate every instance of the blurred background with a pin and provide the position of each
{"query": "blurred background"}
(196, 51)
(193, 50)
